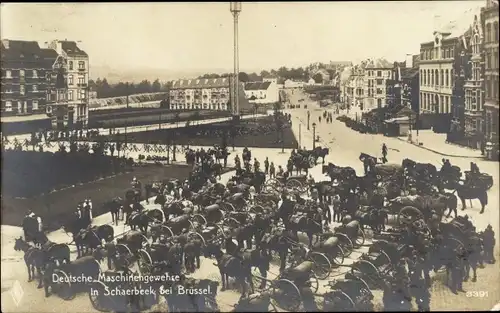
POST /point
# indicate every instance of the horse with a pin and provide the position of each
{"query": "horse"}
(230, 266)
(338, 173)
(138, 219)
(114, 206)
(311, 224)
(320, 152)
(36, 259)
(303, 162)
(465, 192)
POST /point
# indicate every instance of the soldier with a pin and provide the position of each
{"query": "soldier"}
(247, 166)
(421, 294)
(280, 173)
(384, 152)
(272, 170)
(489, 244)
(457, 271)
(266, 165)
(256, 165)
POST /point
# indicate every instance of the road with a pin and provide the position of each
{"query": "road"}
(345, 146)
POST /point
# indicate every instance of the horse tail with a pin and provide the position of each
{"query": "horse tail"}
(485, 197)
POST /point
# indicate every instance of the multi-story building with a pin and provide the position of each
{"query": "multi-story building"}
(490, 58)
(439, 59)
(473, 89)
(78, 70)
(409, 88)
(377, 73)
(204, 94)
(25, 72)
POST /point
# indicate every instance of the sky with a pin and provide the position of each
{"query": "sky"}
(200, 35)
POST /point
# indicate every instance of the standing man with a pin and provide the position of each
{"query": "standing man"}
(266, 165)
(384, 153)
(272, 171)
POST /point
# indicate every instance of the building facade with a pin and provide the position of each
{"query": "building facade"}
(262, 92)
(77, 79)
(490, 58)
(410, 82)
(26, 69)
(473, 87)
(377, 73)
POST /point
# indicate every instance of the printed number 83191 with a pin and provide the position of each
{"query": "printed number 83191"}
(477, 294)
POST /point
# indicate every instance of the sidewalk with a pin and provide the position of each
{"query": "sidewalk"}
(436, 143)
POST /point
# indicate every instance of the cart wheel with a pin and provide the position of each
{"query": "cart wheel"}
(231, 222)
(366, 270)
(97, 297)
(314, 284)
(144, 261)
(199, 219)
(197, 236)
(347, 244)
(360, 238)
(63, 287)
(286, 295)
(343, 301)
(322, 265)
(293, 184)
(228, 207)
(409, 214)
(168, 232)
(338, 258)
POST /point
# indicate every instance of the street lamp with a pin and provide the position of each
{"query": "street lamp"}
(308, 118)
(314, 135)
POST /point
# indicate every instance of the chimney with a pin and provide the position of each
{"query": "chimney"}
(409, 60)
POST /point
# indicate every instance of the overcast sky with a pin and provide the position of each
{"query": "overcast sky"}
(199, 35)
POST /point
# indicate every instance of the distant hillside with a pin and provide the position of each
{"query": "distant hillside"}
(114, 75)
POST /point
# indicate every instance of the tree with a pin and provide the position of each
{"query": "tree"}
(243, 77)
(156, 87)
(264, 74)
(318, 78)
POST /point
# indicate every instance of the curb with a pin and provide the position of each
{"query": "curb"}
(440, 153)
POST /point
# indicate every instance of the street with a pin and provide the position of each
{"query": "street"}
(345, 146)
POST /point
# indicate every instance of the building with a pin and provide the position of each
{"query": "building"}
(204, 94)
(473, 87)
(292, 84)
(262, 92)
(25, 68)
(409, 88)
(490, 59)
(377, 73)
(77, 78)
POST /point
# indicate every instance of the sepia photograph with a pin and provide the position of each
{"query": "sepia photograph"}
(250, 156)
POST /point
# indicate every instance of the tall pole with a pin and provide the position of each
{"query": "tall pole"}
(235, 8)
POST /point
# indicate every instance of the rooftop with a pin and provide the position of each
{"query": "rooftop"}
(379, 63)
(200, 83)
(257, 85)
(19, 49)
(72, 49)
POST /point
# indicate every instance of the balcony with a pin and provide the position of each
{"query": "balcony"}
(82, 85)
(81, 70)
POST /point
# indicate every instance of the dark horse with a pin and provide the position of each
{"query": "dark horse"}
(465, 191)
(90, 238)
(319, 152)
(231, 266)
(114, 207)
(36, 259)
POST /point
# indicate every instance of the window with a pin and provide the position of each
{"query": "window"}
(70, 64)
(379, 91)
(81, 65)
(21, 73)
(380, 81)
(495, 31)
(70, 79)
(82, 94)
(35, 105)
(21, 89)
(8, 74)
(8, 106)
(35, 74)
(436, 72)
(442, 78)
(81, 80)
(35, 88)
(379, 73)
(447, 78)
(70, 95)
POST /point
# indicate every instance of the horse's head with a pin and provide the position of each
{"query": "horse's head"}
(20, 244)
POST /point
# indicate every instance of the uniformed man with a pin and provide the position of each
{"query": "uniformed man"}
(266, 165)
(247, 166)
(280, 173)
(421, 294)
(272, 170)
(489, 245)
(256, 165)
(457, 275)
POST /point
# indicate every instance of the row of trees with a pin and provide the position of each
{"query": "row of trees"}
(107, 90)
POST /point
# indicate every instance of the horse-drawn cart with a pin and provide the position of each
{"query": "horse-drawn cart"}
(286, 288)
(294, 183)
(348, 295)
(485, 180)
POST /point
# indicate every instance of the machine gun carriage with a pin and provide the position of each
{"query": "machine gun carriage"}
(351, 236)
(292, 183)
(348, 295)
